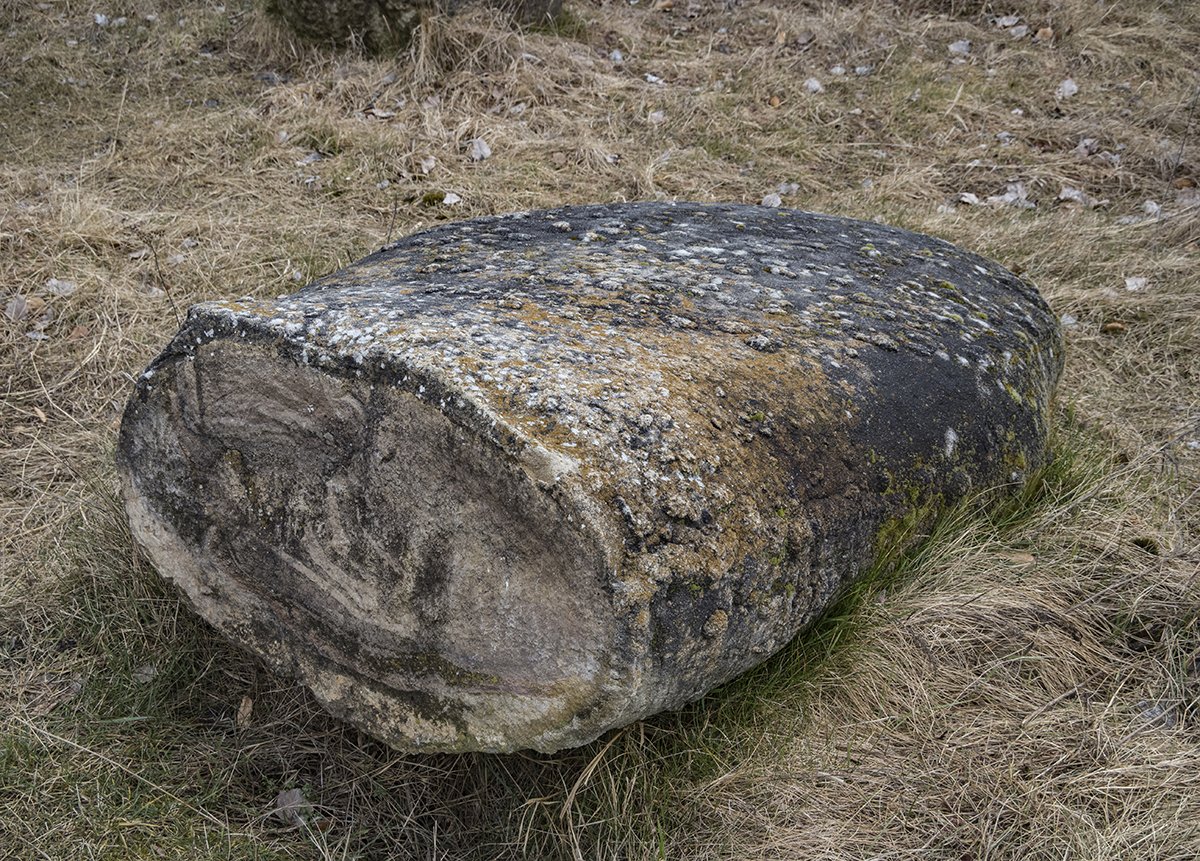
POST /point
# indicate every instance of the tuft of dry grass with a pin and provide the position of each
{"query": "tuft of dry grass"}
(1026, 684)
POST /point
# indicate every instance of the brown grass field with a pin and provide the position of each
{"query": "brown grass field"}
(1025, 685)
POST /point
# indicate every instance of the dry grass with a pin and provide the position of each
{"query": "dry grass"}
(1025, 686)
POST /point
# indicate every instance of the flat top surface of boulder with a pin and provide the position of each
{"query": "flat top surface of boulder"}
(785, 274)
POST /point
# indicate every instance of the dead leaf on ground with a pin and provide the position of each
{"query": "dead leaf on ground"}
(1158, 714)
(244, 711)
(291, 806)
(1015, 194)
(1068, 194)
(480, 150)
(17, 308)
(60, 288)
(1066, 89)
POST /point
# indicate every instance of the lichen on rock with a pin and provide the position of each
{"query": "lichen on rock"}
(511, 482)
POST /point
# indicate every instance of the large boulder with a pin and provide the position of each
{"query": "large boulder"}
(511, 482)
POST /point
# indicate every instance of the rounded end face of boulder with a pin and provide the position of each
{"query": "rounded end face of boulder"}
(357, 535)
(512, 482)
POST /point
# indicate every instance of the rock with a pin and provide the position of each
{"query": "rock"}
(382, 25)
(385, 25)
(511, 482)
(528, 11)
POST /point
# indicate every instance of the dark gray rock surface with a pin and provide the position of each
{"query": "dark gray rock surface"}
(511, 482)
(386, 25)
(381, 25)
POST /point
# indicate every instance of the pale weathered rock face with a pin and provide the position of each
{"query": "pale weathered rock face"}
(511, 482)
